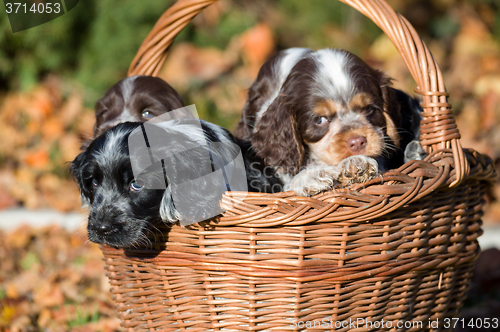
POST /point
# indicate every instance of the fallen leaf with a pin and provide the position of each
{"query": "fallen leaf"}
(41, 104)
(258, 44)
(70, 147)
(23, 284)
(44, 318)
(20, 237)
(52, 128)
(48, 295)
(19, 323)
(6, 200)
(11, 139)
(7, 312)
(38, 159)
(71, 109)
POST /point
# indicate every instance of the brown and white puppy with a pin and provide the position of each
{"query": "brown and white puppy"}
(333, 121)
(137, 98)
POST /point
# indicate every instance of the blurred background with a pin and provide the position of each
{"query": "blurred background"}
(51, 278)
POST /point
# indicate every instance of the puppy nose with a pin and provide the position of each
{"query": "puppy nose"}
(356, 143)
(101, 228)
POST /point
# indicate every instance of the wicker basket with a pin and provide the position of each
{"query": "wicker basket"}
(399, 249)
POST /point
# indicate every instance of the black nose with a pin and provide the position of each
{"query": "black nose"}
(101, 228)
(357, 143)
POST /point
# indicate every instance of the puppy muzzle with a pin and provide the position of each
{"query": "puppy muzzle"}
(110, 226)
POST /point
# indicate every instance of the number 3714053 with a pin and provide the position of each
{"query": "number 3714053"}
(473, 323)
(41, 8)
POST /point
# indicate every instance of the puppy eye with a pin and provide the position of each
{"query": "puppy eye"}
(369, 110)
(147, 114)
(95, 183)
(134, 186)
(321, 120)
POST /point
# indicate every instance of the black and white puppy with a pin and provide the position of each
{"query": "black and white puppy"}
(127, 199)
(325, 118)
(137, 98)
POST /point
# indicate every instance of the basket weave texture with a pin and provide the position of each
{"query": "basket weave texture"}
(399, 248)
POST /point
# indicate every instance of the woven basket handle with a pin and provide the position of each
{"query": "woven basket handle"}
(438, 129)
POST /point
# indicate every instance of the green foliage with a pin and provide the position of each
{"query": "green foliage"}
(231, 24)
(95, 43)
(307, 20)
(83, 316)
(307, 24)
(496, 29)
(115, 34)
(445, 27)
(50, 47)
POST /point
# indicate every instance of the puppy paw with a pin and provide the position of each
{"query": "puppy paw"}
(414, 151)
(357, 169)
(313, 180)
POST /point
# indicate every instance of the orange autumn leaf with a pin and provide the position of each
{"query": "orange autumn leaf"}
(44, 319)
(32, 128)
(43, 104)
(52, 128)
(258, 44)
(19, 238)
(37, 159)
(48, 295)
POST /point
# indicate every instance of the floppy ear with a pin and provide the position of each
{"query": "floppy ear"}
(172, 98)
(392, 108)
(248, 113)
(77, 171)
(242, 131)
(276, 138)
(168, 212)
(100, 110)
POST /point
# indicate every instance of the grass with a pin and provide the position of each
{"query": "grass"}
(82, 316)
